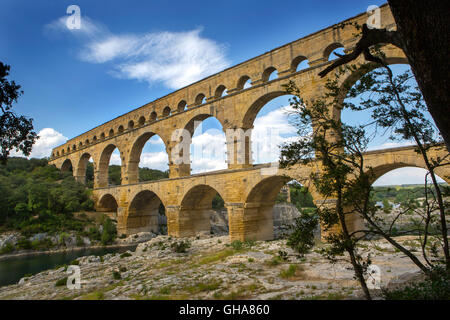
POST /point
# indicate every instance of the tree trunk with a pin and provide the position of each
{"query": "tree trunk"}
(425, 32)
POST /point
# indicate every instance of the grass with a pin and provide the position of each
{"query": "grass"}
(61, 282)
(328, 296)
(96, 295)
(289, 272)
(125, 255)
(203, 286)
(221, 255)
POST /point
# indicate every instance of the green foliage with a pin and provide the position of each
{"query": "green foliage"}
(217, 202)
(180, 246)
(61, 282)
(74, 262)
(109, 233)
(16, 132)
(237, 245)
(434, 287)
(387, 207)
(146, 174)
(36, 197)
(289, 272)
(116, 275)
(7, 248)
(125, 255)
(301, 239)
(23, 244)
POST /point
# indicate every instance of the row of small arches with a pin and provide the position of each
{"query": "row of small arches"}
(271, 73)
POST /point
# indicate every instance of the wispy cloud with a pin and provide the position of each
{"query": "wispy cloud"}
(175, 59)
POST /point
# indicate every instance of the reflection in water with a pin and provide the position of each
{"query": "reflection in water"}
(11, 270)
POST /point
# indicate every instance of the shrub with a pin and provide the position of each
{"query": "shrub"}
(61, 282)
(109, 232)
(7, 248)
(435, 287)
(116, 275)
(74, 262)
(24, 243)
(237, 245)
(80, 242)
(180, 246)
(289, 272)
(301, 239)
(125, 255)
(122, 269)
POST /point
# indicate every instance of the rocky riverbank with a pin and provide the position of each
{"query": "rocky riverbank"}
(213, 268)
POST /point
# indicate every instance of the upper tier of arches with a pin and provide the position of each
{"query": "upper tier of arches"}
(284, 61)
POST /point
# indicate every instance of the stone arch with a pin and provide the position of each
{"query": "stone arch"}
(135, 156)
(153, 116)
(111, 133)
(267, 73)
(66, 166)
(256, 106)
(102, 136)
(80, 175)
(103, 165)
(383, 165)
(143, 213)
(196, 209)
(258, 207)
(86, 142)
(120, 129)
(296, 62)
(352, 78)
(130, 124)
(141, 121)
(200, 99)
(330, 48)
(241, 82)
(166, 111)
(181, 106)
(220, 91)
(108, 205)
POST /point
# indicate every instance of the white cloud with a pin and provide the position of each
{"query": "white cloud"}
(400, 176)
(269, 133)
(48, 139)
(154, 160)
(174, 58)
(208, 151)
(389, 145)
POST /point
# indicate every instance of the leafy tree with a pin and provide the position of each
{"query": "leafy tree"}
(302, 238)
(16, 132)
(423, 34)
(109, 232)
(341, 173)
(40, 198)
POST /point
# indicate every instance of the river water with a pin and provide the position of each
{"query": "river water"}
(12, 269)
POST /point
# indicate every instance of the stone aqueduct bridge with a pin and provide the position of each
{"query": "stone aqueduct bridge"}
(249, 191)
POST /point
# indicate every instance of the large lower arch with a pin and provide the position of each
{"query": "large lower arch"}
(108, 205)
(195, 212)
(144, 213)
(257, 211)
(135, 157)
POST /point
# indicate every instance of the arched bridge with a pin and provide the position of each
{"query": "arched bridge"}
(249, 191)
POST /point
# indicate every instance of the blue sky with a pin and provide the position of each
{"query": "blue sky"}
(131, 52)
